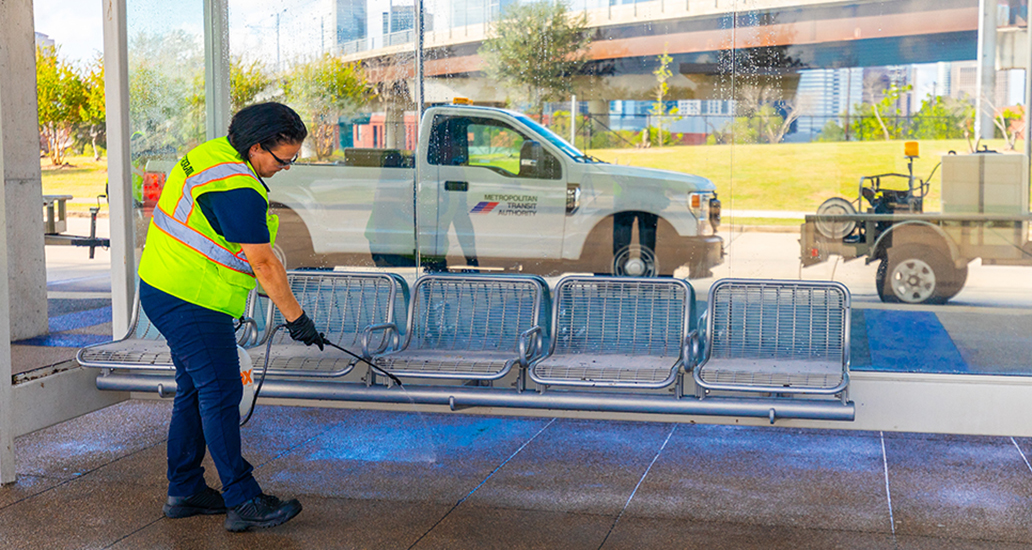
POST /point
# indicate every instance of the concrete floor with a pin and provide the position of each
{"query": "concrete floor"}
(372, 479)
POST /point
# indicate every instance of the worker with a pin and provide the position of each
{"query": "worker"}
(210, 238)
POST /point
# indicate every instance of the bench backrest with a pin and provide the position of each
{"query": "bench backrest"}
(341, 304)
(770, 319)
(473, 312)
(622, 315)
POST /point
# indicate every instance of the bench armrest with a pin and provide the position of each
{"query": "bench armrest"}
(389, 339)
(247, 332)
(530, 344)
(691, 353)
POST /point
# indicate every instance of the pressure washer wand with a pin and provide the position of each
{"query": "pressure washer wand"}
(268, 354)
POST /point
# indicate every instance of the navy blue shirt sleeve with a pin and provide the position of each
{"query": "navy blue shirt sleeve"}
(238, 215)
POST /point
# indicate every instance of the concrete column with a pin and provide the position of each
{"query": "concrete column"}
(599, 110)
(986, 73)
(7, 471)
(216, 68)
(397, 98)
(26, 269)
(116, 87)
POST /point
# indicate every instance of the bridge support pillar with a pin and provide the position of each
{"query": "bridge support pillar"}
(394, 121)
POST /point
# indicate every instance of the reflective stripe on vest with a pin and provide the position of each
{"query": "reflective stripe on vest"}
(208, 175)
(210, 249)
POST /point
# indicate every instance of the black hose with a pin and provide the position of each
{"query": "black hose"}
(377, 368)
(268, 354)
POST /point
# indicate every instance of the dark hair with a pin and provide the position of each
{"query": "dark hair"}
(268, 124)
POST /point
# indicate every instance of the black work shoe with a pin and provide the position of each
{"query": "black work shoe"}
(260, 512)
(207, 502)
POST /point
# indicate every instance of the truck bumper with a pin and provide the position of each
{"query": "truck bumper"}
(700, 254)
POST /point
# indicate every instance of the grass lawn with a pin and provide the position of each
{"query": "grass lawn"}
(787, 176)
(793, 176)
(81, 177)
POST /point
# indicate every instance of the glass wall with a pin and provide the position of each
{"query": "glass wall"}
(166, 96)
(656, 139)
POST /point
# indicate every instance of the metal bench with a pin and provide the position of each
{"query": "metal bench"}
(342, 305)
(468, 327)
(776, 337)
(618, 332)
(143, 347)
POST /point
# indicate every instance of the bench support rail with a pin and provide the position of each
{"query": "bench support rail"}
(460, 397)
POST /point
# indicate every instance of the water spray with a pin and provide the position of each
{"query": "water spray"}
(268, 354)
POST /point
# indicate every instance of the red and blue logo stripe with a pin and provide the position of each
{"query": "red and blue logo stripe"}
(483, 207)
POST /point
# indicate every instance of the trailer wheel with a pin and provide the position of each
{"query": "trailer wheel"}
(918, 275)
(835, 230)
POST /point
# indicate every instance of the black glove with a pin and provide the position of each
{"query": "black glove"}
(303, 329)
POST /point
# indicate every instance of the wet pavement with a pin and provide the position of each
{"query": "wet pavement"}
(379, 479)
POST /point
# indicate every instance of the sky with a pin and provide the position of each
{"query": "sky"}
(77, 25)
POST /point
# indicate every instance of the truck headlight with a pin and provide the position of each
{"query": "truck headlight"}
(699, 204)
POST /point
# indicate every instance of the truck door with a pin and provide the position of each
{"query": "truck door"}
(491, 204)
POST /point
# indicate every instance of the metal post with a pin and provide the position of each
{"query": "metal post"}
(277, 45)
(216, 68)
(120, 197)
(418, 85)
(7, 470)
(573, 120)
(986, 73)
(1028, 93)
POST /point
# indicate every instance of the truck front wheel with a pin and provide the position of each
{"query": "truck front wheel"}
(918, 275)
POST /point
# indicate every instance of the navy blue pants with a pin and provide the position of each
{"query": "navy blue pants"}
(208, 390)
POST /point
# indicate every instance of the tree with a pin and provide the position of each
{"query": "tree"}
(246, 81)
(536, 49)
(663, 74)
(165, 78)
(59, 93)
(1008, 121)
(93, 111)
(767, 117)
(324, 90)
(880, 104)
(942, 117)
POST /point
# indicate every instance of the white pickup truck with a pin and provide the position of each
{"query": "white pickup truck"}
(495, 190)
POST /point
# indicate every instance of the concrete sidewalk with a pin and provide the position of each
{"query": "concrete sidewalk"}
(372, 479)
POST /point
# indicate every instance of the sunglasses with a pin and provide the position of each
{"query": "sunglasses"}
(279, 160)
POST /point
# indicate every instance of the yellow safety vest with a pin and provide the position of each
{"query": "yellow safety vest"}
(184, 256)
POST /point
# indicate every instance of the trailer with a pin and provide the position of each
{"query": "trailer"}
(923, 257)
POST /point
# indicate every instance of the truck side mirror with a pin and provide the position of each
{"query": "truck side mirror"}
(532, 159)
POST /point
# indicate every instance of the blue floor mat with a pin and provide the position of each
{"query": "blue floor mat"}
(910, 341)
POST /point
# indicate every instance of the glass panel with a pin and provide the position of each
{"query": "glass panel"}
(826, 101)
(166, 95)
(687, 139)
(345, 66)
(584, 198)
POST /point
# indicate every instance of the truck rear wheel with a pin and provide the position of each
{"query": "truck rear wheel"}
(918, 275)
(635, 261)
(292, 241)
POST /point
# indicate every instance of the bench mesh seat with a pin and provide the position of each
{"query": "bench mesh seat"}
(776, 337)
(342, 305)
(621, 332)
(467, 326)
(142, 348)
(474, 364)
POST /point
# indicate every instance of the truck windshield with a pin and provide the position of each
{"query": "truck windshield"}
(559, 142)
